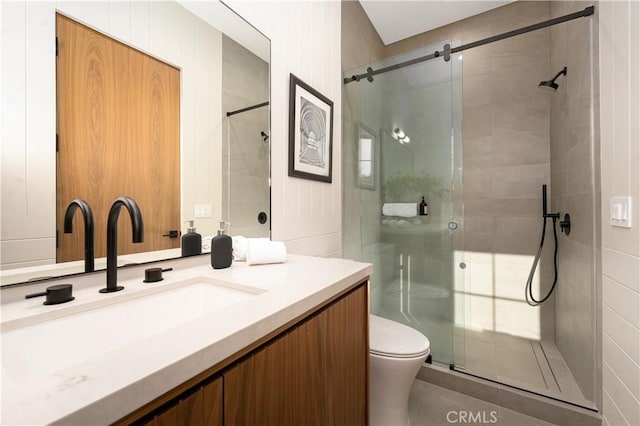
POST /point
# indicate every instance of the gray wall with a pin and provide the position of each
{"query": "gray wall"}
(573, 192)
(245, 157)
(506, 159)
(361, 45)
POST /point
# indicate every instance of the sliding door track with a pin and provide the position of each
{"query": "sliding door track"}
(461, 370)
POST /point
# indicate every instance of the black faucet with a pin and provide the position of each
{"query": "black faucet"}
(112, 238)
(89, 263)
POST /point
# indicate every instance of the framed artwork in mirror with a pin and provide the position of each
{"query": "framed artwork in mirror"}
(367, 146)
(310, 132)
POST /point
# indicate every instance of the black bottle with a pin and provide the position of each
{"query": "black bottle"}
(424, 207)
(221, 249)
(191, 241)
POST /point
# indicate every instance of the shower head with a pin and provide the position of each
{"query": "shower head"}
(551, 84)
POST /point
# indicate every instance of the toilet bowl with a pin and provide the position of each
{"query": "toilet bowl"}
(396, 352)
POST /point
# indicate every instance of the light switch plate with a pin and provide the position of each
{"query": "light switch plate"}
(620, 211)
(203, 210)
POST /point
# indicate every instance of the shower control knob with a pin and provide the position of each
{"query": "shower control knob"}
(453, 225)
(565, 225)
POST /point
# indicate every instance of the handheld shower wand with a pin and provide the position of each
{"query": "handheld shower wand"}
(528, 292)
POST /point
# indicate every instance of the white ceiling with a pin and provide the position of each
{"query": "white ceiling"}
(398, 19)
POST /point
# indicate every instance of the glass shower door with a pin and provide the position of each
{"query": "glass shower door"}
(402, 143)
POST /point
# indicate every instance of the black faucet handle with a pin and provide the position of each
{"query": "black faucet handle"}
(153, 275)
(56, 294)
(30, 296)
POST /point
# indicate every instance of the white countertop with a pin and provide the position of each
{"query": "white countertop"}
(103, 389)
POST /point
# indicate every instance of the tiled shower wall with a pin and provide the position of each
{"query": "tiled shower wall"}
(506, 157)
(361, 45)
(245, 156)
(574, 191)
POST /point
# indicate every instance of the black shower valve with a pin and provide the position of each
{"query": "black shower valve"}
(565, 224)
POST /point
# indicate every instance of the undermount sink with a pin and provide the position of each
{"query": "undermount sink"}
(78, 337)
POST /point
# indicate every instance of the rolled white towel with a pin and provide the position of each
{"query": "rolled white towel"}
(400, 209)
(239, 247)
(261, 251)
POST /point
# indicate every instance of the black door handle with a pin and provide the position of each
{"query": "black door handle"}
(172, 234)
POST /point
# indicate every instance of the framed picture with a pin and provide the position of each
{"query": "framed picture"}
(310, 132)
(367, 146)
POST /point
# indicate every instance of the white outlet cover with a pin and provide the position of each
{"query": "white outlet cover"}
(203, 210)
(620, 212)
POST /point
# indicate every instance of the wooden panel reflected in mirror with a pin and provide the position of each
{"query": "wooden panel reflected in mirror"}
(118, 117)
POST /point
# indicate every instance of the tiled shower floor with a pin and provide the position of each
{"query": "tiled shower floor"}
(532, 365)
(536, 366)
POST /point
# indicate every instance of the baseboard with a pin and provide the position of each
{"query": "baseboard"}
(533, 405)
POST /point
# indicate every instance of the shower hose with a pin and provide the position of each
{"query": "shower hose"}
(528, 292)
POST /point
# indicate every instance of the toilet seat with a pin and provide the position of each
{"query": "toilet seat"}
(391, 339)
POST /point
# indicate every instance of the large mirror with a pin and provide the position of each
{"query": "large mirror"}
(214, 115)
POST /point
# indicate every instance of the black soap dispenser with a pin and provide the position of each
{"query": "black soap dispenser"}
(221, 249)
(191, 241)
(424, 207)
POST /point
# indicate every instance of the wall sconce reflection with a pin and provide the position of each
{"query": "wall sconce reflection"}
(400, 136)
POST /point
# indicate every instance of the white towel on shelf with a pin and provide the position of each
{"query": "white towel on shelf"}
(400, 209)
(261, 251)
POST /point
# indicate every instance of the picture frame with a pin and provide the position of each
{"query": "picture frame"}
(367, 165)
(310, 132)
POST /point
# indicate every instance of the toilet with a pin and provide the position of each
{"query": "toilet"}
(396, 352)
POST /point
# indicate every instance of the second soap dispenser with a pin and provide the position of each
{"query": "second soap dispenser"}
(221, 249)
(191, 241)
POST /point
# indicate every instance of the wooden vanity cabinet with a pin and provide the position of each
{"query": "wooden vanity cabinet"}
(314, 372)
(201, 405)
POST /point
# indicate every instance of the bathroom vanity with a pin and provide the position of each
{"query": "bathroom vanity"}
(277, 344)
